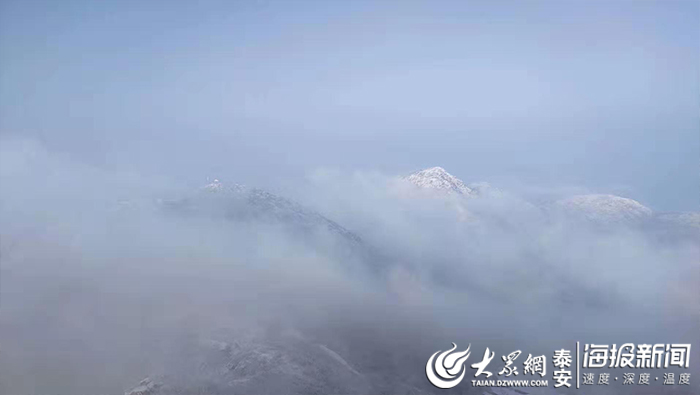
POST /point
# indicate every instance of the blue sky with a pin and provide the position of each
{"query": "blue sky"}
(598, 94)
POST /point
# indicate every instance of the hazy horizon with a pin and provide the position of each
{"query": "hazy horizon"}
(594, 95)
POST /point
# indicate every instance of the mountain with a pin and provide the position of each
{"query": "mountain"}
(291, 364)
(437, 178)
(241, 206)
(600, 208)
(282, 365)
(240, 203)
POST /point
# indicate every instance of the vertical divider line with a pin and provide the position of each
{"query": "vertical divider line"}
(578, 364)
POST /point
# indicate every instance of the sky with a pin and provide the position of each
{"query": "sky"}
(591, 94)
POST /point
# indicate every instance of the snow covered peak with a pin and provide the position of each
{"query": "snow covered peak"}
(214, 186)
(606, 208)
(439, 179)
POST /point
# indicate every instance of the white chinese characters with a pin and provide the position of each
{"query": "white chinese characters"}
(562, 359)
(646, 356)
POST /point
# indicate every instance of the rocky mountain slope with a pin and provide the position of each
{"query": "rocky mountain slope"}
(240, 203)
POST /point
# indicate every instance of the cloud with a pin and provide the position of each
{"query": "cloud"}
(101, 286)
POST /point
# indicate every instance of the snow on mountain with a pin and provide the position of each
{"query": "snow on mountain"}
(287, 364)
(600, 209)
(438, 179)
(214, 186)
(241, 203)
(605, 208)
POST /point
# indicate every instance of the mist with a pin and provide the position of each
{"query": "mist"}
(101, 286)
(212, 195)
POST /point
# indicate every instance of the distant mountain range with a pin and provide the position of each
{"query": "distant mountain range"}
(297, 365)
(241, 204)
(596, 208)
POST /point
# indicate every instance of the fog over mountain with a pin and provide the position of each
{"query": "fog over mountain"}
(348, 286)
(314, 197)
